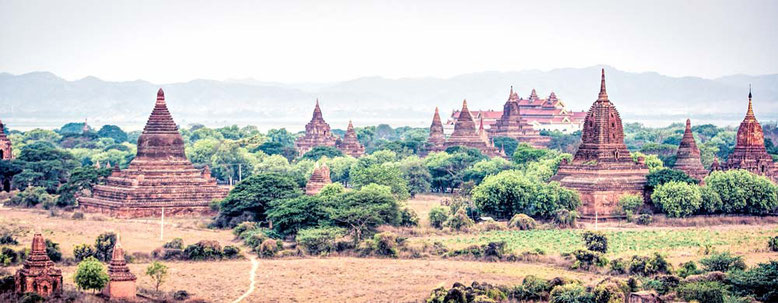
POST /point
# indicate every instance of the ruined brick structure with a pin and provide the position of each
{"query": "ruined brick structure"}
(688, 155)
(437, 139)
(317, 133)
(319, 178)
(465, 134)
(750, 153)
(349, 144)
(5, 144)
(38, 273)
(121, 283)
(159, 177)
(602, 170)
(511, 124)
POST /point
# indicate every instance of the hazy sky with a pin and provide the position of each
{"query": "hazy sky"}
(324, 40)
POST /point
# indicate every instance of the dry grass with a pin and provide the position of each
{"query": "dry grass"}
(422, 204)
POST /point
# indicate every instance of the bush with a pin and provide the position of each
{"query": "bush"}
(711, 202)
(511, 192)
(408, 217)
(52, 250)
(644, 219)
(648, 266)
(32, 196)
(564, 218)
(91, 274)
(630, 204)
(318, 241)
(176, 243)
(618, 266)
(585, 259)
(743, 192)
(77, 216)
(760, 281)
(438, 215)
(243, 227)
(181, 295)
(663, 284)
(677, 199)
(8, 238)
(707, 291)
(773, 244)
(688, 269)
(477, 292)
(571, 293)
(611, 291)
(268, 248)
(231, 252)
(83, 251)
(203, 250)
(596, 241)
(522, 222)
(460, 221)
(532, 289)
(723, 262)
(104, 246)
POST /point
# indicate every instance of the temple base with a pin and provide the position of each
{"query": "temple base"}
(145, 211)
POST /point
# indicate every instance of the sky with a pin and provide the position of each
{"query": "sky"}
(330, 40)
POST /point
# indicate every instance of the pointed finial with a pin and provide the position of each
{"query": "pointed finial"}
(603, 93)
(749, 91)
(750, 112)
(688, 124)
(464, 103)
(436, 110)
(511, 94)
(160, 96)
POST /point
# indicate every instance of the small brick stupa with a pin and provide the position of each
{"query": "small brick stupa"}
(38, 273)
(465, 134)
(319, 179)
(5, 144)
(317, 133)
(688, 157)
(121, 283)
(750, 153)
(436, 139)
(512, 125)
(159, 177)
(350, 145)
(602, 170)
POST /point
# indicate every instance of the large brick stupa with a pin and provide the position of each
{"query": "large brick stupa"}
(159, 177)
(750, 153)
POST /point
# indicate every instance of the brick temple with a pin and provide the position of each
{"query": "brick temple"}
(319, 178)
(160, 177)
(687, 158)
(6, 153)
(317, 133)
(121, 282)
(38, 273)
(511, 124)
(465, 134)
(437, 139)
(602, 170)
(750, 153)
(349, 144)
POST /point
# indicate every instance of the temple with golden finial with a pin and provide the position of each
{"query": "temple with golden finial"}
(159, 177)
(602, 170)
(750, 153)
(317, 133)
(465, 134)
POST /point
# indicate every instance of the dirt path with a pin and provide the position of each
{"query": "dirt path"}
(252, 279)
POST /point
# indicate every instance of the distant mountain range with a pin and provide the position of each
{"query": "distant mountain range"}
(42, 99)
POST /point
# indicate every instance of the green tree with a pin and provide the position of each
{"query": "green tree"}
(743, 192)
(525, 153)
(510, 192)
(438, 215)
(486, 167)
(291, 215)
(362, 210)
(249, 200)
(72, 128)
(677, 199)
(113, 132)
(387, 174)
(318, 152)
(416, 174)
(90, 274)
(508, 144)
(104, 244)
(158, 273)
(81, 179)
(8, 169)
(231, 161)
(662, 176)
(44, 166)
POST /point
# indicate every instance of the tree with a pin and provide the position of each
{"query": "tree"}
(677, 199)
(158, 273)
(760, 281)
(8, 169)
(363, 210)
(249, 200)
(508, 144)
(510, 192)
(416, 174)
(652, 161)
(90, 274)
(486, 167)
(291, 215)
(72, 128)
(113, 132)
(438, 215)
(83, 251)
(525, 153)
(387, 174)
(743, 192)
(662, 176)
(231, 161)
(81, 179)
(596, 241)
(104, 246)
(318, 152)
(53, 251)
(44, 166)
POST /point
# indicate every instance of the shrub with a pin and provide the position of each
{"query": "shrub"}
(158, 273)
(32, 196)
(181, 295)
(648, 266)
(52, 250)
(743, 192)
(408, 217)
(77, 216)
(644, 219)
(385, 244)
(711, 202)
(723, 262)
(511, 191)
(104, 246)
(8, 238)
(438, 215)
(83, 251)
(596, 241)
(460, 220)
(760, 281)
(522, 222)
(618, 266)
(90, 274)
(677, 199)
(10, 257)
(203, 250)
(688, 269)
(570, 293)
(772, 243)
(630, 204)
(662, 284)
(176, 243)
(318, 241)
(611, 291)
(707, 291)
(243, 227)
(231, 252)
(477, 292)
(532, 289)
(585, 259)
(564, 218)
(268, 248)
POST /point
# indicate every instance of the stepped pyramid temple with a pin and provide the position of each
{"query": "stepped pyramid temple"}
(317, 133)
(350, 145)
(5, 144)
(512, 124)
(38, 273)
(541, 114)
(466, 135)
(319, 179)
(437, 138)
(602, 170)
(688, 156)
(750, 153)
(121, 283)
(160, 177)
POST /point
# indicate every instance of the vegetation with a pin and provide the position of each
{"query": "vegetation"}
(158, 273)
(91, 275)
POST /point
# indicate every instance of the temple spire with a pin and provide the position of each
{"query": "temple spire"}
(603, 94)
(464, 105)
(750, 112)
(160, 96)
